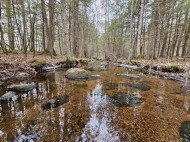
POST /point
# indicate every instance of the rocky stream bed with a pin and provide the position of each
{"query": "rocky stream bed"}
(90, 100)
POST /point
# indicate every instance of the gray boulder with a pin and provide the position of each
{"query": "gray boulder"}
(140, 86)
(97, 66)
(9, 96)
(21, 87)
(130, 76)
(76, 73)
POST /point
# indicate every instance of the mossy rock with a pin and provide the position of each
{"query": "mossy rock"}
(21, 87)
(68, 63)
(139, 57)
(76, 73)
(97, 66)
(38, 61)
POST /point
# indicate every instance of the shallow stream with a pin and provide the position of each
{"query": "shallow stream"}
(91, 115)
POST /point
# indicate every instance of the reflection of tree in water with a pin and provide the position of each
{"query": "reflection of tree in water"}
(99, 126)
(8, 112)
(67, 121)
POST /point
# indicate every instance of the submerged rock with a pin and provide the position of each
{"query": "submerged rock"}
(9, 96)
(76, 73)
(140, 86)
(31, 133)
(184, 131)
(21, 87)
(55, 102)
(110, 86)
(95, 76)
(127, 100)
(130, 76)
(97, 66)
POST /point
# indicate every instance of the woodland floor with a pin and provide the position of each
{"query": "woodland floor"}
(19, 67)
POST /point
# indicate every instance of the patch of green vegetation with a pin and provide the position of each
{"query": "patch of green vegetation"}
(12, 51)
(38, 61)
(139, 57)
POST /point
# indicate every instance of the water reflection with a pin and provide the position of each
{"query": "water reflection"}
(92, 116)
(186, 104)
(99, 128)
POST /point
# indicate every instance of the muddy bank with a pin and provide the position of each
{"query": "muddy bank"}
(176, 69)
(18, 67)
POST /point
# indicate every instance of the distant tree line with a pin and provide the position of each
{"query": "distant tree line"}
(132, 28)
(148, 28)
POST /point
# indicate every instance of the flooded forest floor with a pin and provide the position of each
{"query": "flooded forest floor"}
(121, 100)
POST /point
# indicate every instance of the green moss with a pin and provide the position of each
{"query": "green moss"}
(38, 61)
(139, 57)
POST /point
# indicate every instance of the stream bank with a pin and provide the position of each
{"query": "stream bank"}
(17, 67)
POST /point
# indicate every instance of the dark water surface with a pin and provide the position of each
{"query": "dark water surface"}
(90, 114)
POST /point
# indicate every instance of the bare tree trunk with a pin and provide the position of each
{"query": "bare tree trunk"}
(181, 34)
(132, 51)
(140, 25)
(70, 26)
(64, 25)
(24, 44)
(75, 28)
(43, 25)
(51, 28)
(2, 41)
(186, 40)
(10, 25)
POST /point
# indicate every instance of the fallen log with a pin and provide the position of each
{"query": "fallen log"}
(169, 76)
(126, 66)
(53, 68)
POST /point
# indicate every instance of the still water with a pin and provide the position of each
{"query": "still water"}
(90, 115)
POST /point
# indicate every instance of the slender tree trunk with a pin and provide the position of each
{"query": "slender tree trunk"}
(186, 40)
(24, 44)
(140, 25)
(2, 41)
(64, 25)
(10, 25)
(132, 51)
(43, 25)
(75, 28)
(51, 28)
